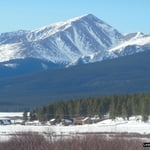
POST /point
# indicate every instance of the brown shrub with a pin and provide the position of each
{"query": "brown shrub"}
(35, 141)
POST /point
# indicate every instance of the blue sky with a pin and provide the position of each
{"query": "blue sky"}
(124, 15)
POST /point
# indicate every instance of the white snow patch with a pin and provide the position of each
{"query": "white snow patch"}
(10, 51)
(11, 114)
(137, 40)
(9, 65)
(44, 66)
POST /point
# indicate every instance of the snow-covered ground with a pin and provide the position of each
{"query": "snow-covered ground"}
(118, 125)
(10, 114)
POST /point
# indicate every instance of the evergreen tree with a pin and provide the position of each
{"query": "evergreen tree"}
(124, 111)
(25, 116)
(42, 114)
(112, 111)
(119, 106)
(50, 111)
(59, 113)
(134, 106)
(145, 110)
(76, 107)
(33, 116)
(101, 108)
(129, 108)
(83, 108)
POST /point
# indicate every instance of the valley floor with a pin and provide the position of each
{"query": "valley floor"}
(133, 125)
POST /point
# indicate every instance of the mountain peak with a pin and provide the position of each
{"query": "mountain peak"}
(78, 18)
(91, 16)
(80, 21)
(82, 17)
(81, 39)
(68, 22)
(85, 17)
(64, 42)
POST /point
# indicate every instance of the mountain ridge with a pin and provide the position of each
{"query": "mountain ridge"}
(80, 40)
(65, 41)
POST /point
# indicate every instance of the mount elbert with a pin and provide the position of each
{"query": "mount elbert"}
(84, 39)
(115, 63)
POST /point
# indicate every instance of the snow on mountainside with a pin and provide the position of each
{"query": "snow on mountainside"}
(133, 43)
(62, 42)
(13, 37)
(130, 44)
(84, 39)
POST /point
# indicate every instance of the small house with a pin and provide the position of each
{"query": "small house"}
(95, 119)
(53, 121)
(66, 122)
(78, 122)
(82, 121)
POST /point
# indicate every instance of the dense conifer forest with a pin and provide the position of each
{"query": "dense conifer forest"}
(116, 76)
(116, 106)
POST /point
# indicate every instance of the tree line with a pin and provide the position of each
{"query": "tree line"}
(116, 106)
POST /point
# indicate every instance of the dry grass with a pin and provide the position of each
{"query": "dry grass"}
(35, 141)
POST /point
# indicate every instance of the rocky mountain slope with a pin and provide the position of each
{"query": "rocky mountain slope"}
(61, 42)
(81, 40)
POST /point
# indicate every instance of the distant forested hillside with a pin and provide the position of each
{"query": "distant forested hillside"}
(129, 74)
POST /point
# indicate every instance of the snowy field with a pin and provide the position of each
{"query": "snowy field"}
(8, 114)
(119, 125)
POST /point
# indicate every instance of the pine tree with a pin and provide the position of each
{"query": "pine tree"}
(70, 108)
(119, 107)
(112, 111)
(33, 116)
(83, 108)
(101, 109)
(25, 116)
(124, 111)
(77, 106)
(41, 114)
(129, 108)
(145, 110)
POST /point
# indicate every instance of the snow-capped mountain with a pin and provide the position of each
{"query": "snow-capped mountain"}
(84, 39)
(62, 42)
